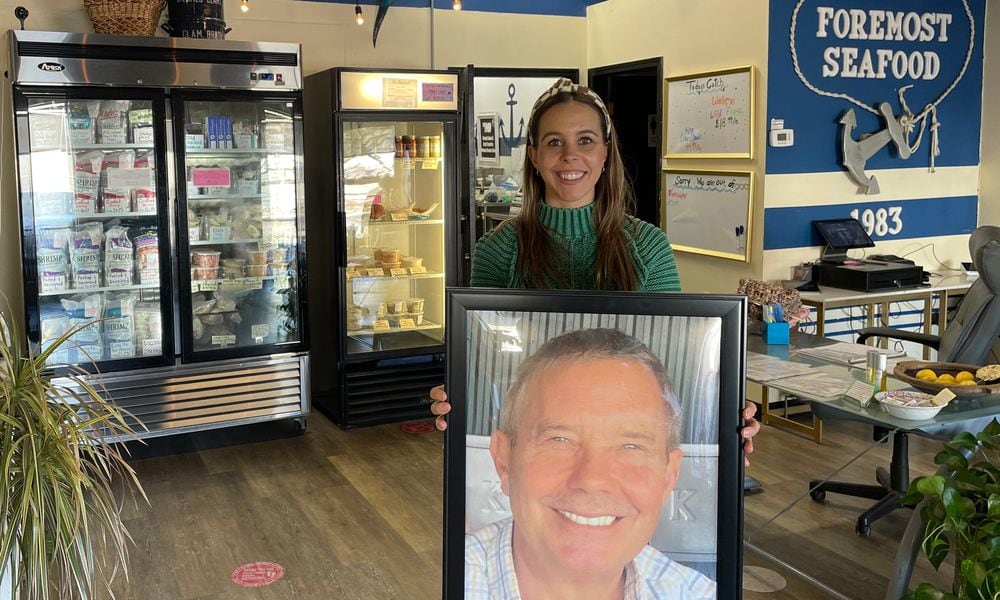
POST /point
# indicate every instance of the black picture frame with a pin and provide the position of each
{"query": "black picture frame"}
(554, 312)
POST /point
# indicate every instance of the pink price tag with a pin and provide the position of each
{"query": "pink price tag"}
(438, 92)
(217, 177)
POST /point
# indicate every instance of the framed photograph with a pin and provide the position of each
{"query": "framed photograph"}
(488, 139)
(710, 212)
(711, 115)
(594, 442)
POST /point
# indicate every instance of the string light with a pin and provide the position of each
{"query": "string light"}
(358, 13)
(245, 5)
(456, 5)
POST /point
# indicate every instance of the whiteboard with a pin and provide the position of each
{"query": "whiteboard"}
(709, 212)
(710, 115)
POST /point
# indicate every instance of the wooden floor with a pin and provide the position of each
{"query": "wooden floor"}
(357, 515)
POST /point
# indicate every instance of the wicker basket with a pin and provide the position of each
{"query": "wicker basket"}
(124, 17)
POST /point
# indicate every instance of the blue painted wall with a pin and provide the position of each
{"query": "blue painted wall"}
(815, 118)
(566, 8)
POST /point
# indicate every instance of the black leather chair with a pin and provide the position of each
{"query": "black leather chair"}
(971, 337)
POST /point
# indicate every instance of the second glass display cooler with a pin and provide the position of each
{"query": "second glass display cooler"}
(383, 231)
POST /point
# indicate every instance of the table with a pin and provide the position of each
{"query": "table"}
(966, 414)
(942, 286)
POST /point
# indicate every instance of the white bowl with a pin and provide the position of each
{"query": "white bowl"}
(903, 404)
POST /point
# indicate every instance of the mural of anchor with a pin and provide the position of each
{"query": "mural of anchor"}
(857, 152)
(506, 143)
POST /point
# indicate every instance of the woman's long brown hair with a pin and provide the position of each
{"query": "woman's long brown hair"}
(539, 256)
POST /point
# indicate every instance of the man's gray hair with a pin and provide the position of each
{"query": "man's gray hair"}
(588, 344)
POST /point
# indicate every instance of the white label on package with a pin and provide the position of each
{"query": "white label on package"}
(122, 349)
(53, 283)
(219, 233)
(260, 331)
(223, 340)
(87, 280)
(113, 135)
(130, 178)
(151, 347)
(119, 278)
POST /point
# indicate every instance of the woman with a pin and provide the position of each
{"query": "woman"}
(574, 231)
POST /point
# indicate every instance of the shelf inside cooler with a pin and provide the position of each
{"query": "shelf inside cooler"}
(211, 285)
(381, 224)
(125, 288)
(234, 151)
(425, 326)
(229, 197)
(396, 277)
(217, 242)
(76, 147)
(107, 216)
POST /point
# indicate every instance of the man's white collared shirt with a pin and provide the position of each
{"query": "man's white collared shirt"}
(489, 571)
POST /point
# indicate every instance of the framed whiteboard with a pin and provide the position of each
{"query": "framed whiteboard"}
(711, 115)
(710, 212)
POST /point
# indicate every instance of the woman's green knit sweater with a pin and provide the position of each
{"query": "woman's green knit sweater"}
(495, 261)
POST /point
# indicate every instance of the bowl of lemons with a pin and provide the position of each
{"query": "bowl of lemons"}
(961, 379)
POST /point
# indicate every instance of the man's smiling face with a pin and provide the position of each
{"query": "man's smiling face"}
(589, 465)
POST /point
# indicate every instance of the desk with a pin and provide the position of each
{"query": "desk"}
(941, 286)
(965, 414)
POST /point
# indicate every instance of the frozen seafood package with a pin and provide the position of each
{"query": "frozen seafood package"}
(148, 329)
(119, 326)
(86, 182)
(85, 255)
(52, 258)
(118, 257)
(83, 121)
(141, 123)
(147, 257)
(53, 323)
(112, 122)
(83, 313)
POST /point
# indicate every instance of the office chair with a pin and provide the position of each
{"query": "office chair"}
(970, 338)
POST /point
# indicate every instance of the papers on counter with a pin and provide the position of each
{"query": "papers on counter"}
(843, 353)
(815, 384)
(762, 368)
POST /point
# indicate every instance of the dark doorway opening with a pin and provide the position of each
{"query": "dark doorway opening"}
(634, 94)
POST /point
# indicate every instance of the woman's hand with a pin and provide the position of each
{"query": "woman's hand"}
(441, 407)
(750, 430)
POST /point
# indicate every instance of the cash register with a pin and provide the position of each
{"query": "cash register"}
(876, 273)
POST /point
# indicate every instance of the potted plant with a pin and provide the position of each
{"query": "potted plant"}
(62, 535)
(961, 515)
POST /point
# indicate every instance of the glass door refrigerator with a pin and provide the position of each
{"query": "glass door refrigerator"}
(382, 161)
(162, 219)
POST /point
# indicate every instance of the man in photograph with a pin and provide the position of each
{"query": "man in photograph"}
(587, 450)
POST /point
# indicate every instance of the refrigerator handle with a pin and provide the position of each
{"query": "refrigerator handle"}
(341, 225)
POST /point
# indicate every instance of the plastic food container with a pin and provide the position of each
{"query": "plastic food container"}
(905, 404)
(205, 258)
(275, 255)
(396, 307)
(256, 270)
(256, 257)
(277, 268)
(233, 262)
(415, 305)
(390, 265)
(389, 255)
(231, 272)
(204, 273)
(418, 317)
(412, 261)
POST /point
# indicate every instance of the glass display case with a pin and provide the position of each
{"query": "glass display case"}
(394, 195)
(241, 174)
(93, 223)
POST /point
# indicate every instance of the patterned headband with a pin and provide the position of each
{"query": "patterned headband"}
(566, 86)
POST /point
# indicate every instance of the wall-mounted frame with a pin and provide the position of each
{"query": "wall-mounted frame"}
(712, 114)
(710, 212)
(488, 139)
(586, 369)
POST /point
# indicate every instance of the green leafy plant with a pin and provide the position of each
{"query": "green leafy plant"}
(62, 477)
(962, 515)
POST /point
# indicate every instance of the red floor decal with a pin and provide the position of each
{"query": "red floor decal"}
(417, 427)
(257, 574)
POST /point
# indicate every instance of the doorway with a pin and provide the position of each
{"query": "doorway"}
(634, 94)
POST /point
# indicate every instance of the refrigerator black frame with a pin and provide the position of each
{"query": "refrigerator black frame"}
(188, 354)
(22, 94)
(450, 130)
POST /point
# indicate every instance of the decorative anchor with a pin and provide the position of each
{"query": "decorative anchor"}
(513, 140)
(857, 153)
